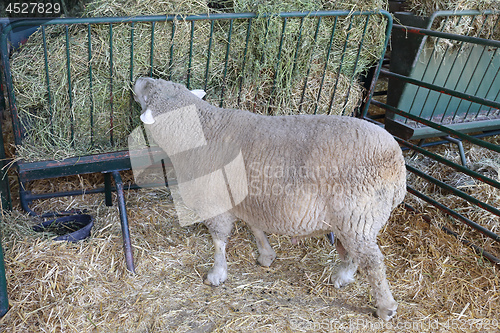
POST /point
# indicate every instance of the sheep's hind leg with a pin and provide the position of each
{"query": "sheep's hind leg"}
(346, 269)
(220, 228)
(375, 269)
(267, 254)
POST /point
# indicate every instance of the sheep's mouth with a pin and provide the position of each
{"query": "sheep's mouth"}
(147, 117)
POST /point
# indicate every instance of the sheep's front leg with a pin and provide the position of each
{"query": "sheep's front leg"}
(267, 254)
(220, 228)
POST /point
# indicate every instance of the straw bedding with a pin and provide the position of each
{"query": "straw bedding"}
(441, 285)
(478, 159)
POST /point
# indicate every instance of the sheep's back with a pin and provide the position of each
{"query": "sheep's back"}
(300, 167)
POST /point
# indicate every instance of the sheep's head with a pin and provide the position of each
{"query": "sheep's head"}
(157, 96)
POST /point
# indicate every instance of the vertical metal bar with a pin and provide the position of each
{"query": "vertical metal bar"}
(249, 28)
(478, 34)
(47, 79)
(226, 60)
(108, 198)
(460, 146)
(91, 95)
(127, 245)
(70, 89)
(151, 49)
(132, 30)
(427, 67)
(310, 63)
(299, 38)
(16, 123)
(209, 53)
(341, 64)
(498, 70)
(459, 77)
(5, 197)
(261, 62)
(326, 64)
(164, 169)
(3, 104)
(378, 68)
(190, 61)
(111, 83)
(357, 60)
(278, 60)
(498, 91)
(131, 78)
(170, 66)
(4, 300)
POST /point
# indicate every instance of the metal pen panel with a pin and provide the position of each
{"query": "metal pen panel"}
(263, 63)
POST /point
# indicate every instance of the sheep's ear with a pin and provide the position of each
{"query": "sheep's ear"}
(200, 93)
(142, 86)
(147, 117)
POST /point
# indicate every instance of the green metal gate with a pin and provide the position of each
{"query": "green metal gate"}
(457, 184)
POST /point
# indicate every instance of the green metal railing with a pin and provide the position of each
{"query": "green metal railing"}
(466, 67)
(4, 301)
(406, 120)
(285, 63)
(231, 60)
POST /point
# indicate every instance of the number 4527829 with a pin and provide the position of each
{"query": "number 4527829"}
(33, 8)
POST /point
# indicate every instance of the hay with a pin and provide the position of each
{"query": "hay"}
(483, 26)
(440, 284)
(65, 128)
(427, 7)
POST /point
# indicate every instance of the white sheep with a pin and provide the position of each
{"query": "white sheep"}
(302, 175)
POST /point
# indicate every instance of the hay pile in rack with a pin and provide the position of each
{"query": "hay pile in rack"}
(486, 26)
(85, 104)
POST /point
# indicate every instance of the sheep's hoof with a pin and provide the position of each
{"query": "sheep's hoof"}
(215, 277)
(266, 260)
(387, 313)
(342, 279)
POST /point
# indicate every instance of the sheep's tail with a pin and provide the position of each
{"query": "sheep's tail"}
(400, 184)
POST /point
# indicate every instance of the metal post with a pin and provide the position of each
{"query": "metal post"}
(5, 199)
(127, 246)
(460, 148)
(4, 300)
(107, 189)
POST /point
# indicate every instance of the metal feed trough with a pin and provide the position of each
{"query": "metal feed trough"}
(464, 66)
(258, 63)
(450, 97)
